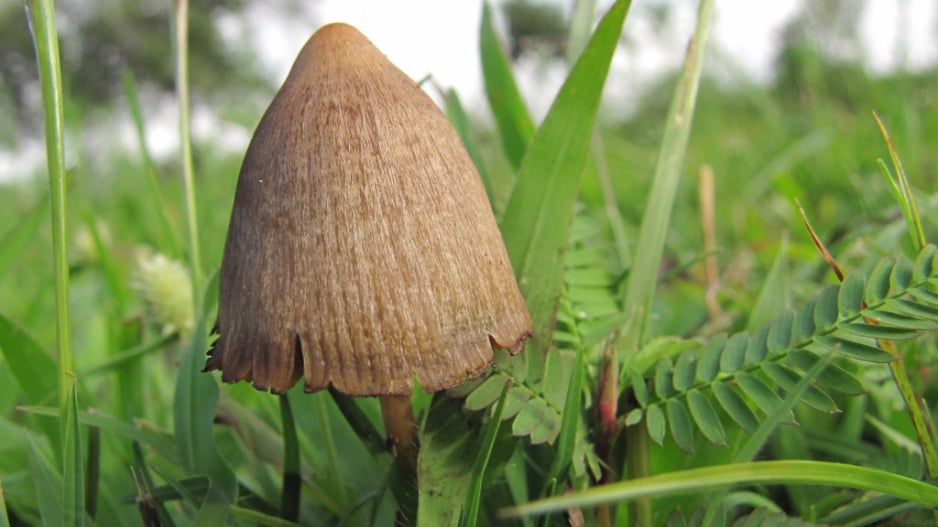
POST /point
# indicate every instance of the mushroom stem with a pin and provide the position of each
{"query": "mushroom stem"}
(399, 423)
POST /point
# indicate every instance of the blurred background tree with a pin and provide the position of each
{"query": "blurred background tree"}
(536, 26)
(100, 41)
(820, 88)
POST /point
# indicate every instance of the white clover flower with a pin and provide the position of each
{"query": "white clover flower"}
(166, 288)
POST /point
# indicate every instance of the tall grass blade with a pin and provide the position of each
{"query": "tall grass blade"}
(356, 418)
(155, 510)
(181, 27)
(194, 413)
(56, 508)
(902, 188)
(643, 276)
(161, 443)
(483, 456)
(131, 356)
(774, 294)
(21, 234)
(48, 485)
(114, 280)
(359, 422)
(515, 126)
(918, 413)
(580, 26)
(213, 511)
(536, 221)
(192, 490)
(251, 517)
(169, 240)
(73, 507)
(32, 368)
(28, 361)
(41, 14)
(122, 332)
(93, 471)
(789, 472)
(460, 121)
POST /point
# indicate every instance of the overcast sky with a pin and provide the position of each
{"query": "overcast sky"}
(440, 38)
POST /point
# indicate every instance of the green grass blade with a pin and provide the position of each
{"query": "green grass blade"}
(482, 461)
(32, 368)
(169, 239)
(28, 361)
(194, 413)
(537, 219)
(213, 512)
(460, 121)
(921, 419)
(356, 418)
(514, 124)
(115, 281)
(46, 41)
(791, 472)
(874, 510)
(581, 23)
(290, 497)
(48, 485)
(161, 443)
(18, 237)
(191, 490)
(251, 517)
(4, 517)
(181, 27)
(643, 276)
(144, 484)
(367, 433)
(130, 356)
(73, 506)
(93, 471)
(903, 189)
(774, 295)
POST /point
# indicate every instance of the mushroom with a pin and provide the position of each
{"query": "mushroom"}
(362, 251)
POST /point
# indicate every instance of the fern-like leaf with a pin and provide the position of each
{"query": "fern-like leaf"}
(747, 375)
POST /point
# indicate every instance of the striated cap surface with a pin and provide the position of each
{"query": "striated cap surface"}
(362, 251)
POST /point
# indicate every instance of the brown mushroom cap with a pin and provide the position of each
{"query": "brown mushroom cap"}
(362, 250)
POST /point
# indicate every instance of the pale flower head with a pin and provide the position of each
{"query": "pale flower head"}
(166, 289)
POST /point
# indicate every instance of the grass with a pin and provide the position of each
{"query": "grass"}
(634, 379)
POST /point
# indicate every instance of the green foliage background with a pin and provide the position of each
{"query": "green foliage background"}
(195, 446)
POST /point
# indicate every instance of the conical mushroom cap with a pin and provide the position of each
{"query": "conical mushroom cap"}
(362, 251)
